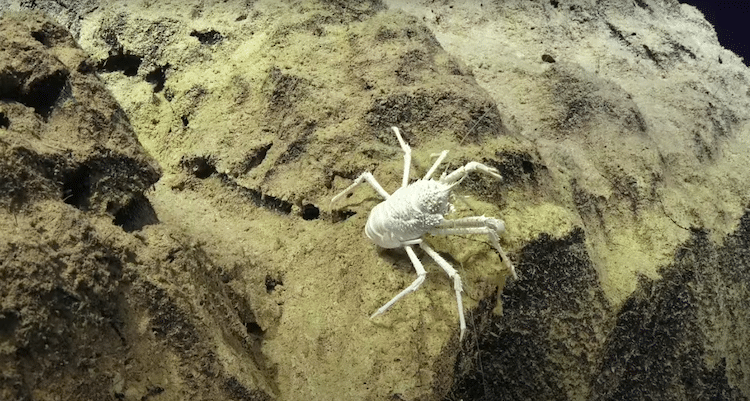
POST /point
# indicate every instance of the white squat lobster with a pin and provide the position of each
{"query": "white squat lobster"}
(417, 209)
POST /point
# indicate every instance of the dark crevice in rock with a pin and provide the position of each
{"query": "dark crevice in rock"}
(259, 198)
(127, 63)
(652, 55)
(255, 158)
(268, 201)
(41, 94)
(136, 214)
(158, 77)
(105, 183)
(203, 167)
(272, 282)
(41, 37)
(44, 93)
(211, 37)
(297, 148)
(77, 187)
(9, 321)
(4, 120)
(254, 329)
(200, 167)
(338, 216)
(642, 4)
(310, 212)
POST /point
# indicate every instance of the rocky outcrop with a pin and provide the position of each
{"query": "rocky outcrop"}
(87, 306)
(621, 131)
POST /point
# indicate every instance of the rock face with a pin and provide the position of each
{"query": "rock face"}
(621, 131)
(87, 306)
(64, 135)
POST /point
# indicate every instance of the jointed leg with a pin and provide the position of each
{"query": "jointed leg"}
(452, 273)
(477, 225)
(434, 167)
(421, 274)
(366, 176)
(461, 172)
(407, 156)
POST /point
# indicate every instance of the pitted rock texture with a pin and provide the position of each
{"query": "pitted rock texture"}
(64, 135)
(88, 310)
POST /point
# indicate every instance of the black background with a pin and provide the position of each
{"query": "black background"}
(730, 20)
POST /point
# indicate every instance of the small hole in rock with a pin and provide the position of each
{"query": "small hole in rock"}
(200, 167)
(254, 329)
(4, 121)
(41, 37)
(341, 215)
(9, 321)
(211, 37)
(127, 63)
(44, 93)
(137, 214)
(271, 283)
(310, 212)
(527, 166)
(77, 187)
(157, 78)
